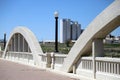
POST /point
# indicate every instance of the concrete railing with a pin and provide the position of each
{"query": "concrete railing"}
(86, 63)
(57, 61)
(105, 68)
(43, 57)
(47, 60)
(108, 65)
(59, 58)
(23, 57)
(1, 53)
(52, 60)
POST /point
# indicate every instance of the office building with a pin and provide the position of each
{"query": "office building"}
(69, 30)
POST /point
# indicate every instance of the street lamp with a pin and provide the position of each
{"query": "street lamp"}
(4, 40)
(56, 31)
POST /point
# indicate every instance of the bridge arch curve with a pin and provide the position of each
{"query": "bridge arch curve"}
(103, 24)
(23, 40)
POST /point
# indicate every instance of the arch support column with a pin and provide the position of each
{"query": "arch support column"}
(97, 51)
(14, 43)
(98, 48)
(19, 47)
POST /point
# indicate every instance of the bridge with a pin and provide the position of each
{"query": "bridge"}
(23, 47)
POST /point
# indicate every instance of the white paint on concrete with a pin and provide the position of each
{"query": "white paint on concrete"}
(102, 25)
(30, 38)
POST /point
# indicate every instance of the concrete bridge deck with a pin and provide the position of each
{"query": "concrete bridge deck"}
(14, 71)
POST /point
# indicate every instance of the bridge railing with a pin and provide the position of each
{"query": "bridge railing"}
(104, 68)
(23, 57)
(87, 63)
(43, 57)
(52, 60)
(49, 60)
(1, 53)
(108, 65)
(57, 61)
(59, 58)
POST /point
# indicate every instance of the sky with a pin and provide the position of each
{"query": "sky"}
(38, 15)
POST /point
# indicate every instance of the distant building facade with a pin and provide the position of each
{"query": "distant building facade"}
(69, 30)
(110, 39)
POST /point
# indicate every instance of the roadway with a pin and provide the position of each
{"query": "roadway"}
(15, 71)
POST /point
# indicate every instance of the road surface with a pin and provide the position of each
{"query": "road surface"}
(14, 71)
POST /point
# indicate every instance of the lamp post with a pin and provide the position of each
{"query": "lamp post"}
(56, 31)
(4, 40)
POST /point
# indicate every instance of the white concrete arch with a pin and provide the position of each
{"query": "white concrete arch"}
(31, 40)
(103, 24)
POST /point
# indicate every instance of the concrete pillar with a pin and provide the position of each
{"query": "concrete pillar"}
(23, 43)
(74, 68)
(48, 63)
(19, 43)
(98, 47)
(97, 51)
(53, 60)
(93, 59)
(16, 38)
(14, 43)
(10, 48)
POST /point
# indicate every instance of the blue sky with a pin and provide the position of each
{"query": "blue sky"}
(38, 15)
